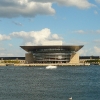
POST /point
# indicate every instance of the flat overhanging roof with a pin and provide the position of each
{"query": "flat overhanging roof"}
(66, 47)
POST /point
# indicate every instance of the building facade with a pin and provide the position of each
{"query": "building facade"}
(19, 60)
(52, 54)
(92, 59)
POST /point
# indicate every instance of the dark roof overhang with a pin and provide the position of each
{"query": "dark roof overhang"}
(66, 47)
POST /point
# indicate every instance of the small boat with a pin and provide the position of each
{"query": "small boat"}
(51, 67)
(9, 64)
(70, 98)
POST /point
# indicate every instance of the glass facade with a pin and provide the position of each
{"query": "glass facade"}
(51, 56)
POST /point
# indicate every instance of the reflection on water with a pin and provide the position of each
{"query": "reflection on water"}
(37, 83)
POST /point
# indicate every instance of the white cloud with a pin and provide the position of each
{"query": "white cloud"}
(10, 55)
(15, 8)
(90, 51)
(2, 54)
(2, 49)
(31, 8)
(98, 1)
(36, 37)
(97, 41)
(98, 31)
(21, 34)
(95, 12)
(10, 45)
(83, 52)
(4, 37)
(97, 50)
(80, 31)
(55, 36)
(82, 4)
(6, 55)
(87, 31)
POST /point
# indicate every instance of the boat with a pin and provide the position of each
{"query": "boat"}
(70, 98)
(51, 67)
(9, 64)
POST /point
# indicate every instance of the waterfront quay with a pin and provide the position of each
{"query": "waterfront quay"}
(47, 64)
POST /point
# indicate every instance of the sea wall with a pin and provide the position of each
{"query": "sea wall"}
(56, 64)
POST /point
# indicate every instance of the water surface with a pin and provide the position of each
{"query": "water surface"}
(39, 83)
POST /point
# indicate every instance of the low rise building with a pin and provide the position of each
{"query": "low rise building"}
(52, 54)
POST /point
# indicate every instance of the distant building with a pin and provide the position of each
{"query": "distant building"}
(52, 54)
(83, 59)
(19, 59)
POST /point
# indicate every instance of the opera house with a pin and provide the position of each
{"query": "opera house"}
(52, 54)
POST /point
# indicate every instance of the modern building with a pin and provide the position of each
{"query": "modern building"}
(52, 54)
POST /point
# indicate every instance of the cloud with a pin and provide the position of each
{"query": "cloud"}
(2, 54)
(31, 8)
(91, 51)
(87, 32)
(30, 19)
(6, 55)
(2, 49)
(94, 31)
(97, 41)
(36, 37)
(4, 37)
(83, 52)
(81, 4)
(10, 55)
(17, 23)
(80, 31)
(95, 12)
(55, 36)
(97, 50)
(16, 8)
(10, 45)
(97, 31)
(98, 1)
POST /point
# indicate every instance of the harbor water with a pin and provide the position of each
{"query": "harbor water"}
(40, 83)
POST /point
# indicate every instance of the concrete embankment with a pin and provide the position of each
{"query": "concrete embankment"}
(80, 64)
(56, 64)
(2, 64)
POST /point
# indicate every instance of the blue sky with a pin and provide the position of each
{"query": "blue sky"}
(32, 22)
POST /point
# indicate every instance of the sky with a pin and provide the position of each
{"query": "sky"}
(33, 22)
